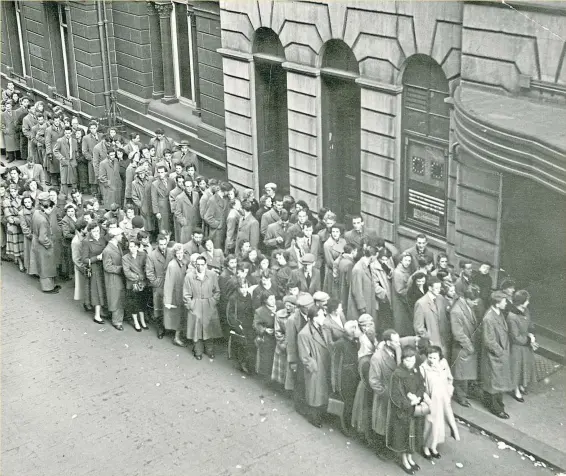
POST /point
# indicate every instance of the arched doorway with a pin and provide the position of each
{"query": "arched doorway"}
(271, 110)
(426, 128)
(340, 130)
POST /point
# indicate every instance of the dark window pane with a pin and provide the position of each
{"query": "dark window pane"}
(416, 121)
(439, 127)
(184, 51)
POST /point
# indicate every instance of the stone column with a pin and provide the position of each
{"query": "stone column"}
(164, 11)
(156, 54)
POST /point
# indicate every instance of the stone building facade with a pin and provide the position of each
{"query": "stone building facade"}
(154, 64)
(443, 118)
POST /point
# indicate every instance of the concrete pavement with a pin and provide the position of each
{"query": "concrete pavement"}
(82, 399)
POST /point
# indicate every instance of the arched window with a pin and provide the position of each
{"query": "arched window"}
(426, 129)
(338, 55)
(267, 42)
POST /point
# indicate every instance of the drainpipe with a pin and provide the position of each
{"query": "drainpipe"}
(105, 63)
(109, 61)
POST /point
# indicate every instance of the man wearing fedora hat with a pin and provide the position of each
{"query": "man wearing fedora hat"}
(307, 276)
(184, 155)
(43, 262)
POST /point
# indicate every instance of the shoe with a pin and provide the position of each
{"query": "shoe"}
(464, 403)
(55, 290)
(407, 470)
(118, 327)
(64, 278)
(315, 423)
(415, 466)
(145, 327)
(161, 333)
(87, 308)
(99, 322)
(425, 456)
(57, 287)
(436, 455)
(502, 415)
(519, 399)
(507, 416)
(138, 329)
(198, 356)
(179, 343)
(211, 355)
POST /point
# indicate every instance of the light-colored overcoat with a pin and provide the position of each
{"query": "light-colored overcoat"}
(200, 297)
(113, 277)
(431, 320)
(314, 352)
(496, 348)
(362, 293)
(42, 261)
(187, 216)
(173, 319)
(466, 341)
(110, 182)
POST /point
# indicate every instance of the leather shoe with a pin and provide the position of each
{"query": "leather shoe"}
(519, 399)
(435, 455)
(502, 415)
(87, 308)
(407, 470)
(145, 327)
(118, 327)
(416, 467)
(315, 423)
(161, 333)
(55, 290)
(179, 343)
(102, 321)
(198, 356)
(425, 456)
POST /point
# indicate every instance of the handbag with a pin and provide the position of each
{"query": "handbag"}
(139, 287)
(335, 407)
(422, 409)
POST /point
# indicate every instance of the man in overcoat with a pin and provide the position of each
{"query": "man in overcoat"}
(52, 134)
(155, 268)
(495, 365)
(215, 216)
(419, 250)
(307, 275)
(90, 140)
(430, 318)
(65, 151)
(110, 180)
(362, 298)
(187, 214)
(360, 235)
(271, 216)
(42, 261)
(466, 342)
(140, 197)
(201, 294)
(314, 352)
(342, 269)
(160, 200)
(248, 228)
(114, 277)
(8, 126)
(184, 156)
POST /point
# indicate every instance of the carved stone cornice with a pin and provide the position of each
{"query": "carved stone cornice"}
(164, 9)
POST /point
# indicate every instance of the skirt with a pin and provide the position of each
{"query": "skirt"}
(15, 244)
(279, 370)
(136, 301)
(265, 353)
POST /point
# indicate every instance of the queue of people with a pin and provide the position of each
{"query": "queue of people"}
(340, 319)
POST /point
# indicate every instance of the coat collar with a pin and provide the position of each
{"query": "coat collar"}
(316, 335)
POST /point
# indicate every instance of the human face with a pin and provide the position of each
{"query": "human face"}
(435, 288)
(179, 254)
(145, 241)
(2, 191)
(264, 264)
(357, 224)
(33, 186)
(209, 245)
(319, 318)
(112, 155)
(95, 232)
(130, 213)
(68, 133)
(8, 106)
(28, 203)
(433, 358)
(271, 300)
(395, 341)
(409, 362)
(420, 282)
(162, 245)
(14, 175)
(200, 265)
(179, 169)
(146, 154)
(191, 171)
(252, 255)
(92, 129)
(268, 202)
(202, 184)
(406, 261)
(294, 291)
(246, 247)
(302, 217)
(53, 196)
(278, 205)
(133, 247)
(329, 222)
(308, 232)
(289, 307)
(281, 261)
(232, 263)
(443, 263)
(87, 218)
(168, 157)
(421, 243)
(308, 267)
(71, 212)
(161, 173)
(13, 192)
(335, 233)
(25, 102)
(231, 194)
(197, 238)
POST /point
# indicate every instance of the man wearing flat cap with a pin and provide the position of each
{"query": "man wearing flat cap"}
(294, 325)
(141, 196)
(307, 276)
(321, 299)
(43, 262)
(184, 156)
(114, 278)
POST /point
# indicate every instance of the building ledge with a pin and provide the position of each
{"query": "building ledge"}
(514, 135)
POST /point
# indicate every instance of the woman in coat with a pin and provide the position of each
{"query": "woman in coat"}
(333, 326)
(11, 207)
(200, 296)
(264, 322)
(82, 163)
(8, 126)
(42, 261)
(333, 249)
(133, 265)
(281, 270)
(173, 309)
(417, 290)
(402, 315)
(362, 408)
(91, 256)
(214, 256)
(280, 364)
(404, 425)
(26, 214)
(314, 352)
(523, 345)
(68, 233)
(438, 384)
(240, 317)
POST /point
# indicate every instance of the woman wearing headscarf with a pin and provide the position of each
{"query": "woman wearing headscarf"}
(174, 310)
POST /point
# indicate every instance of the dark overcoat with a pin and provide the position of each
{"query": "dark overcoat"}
(90, 250)
(114, 277)
(110, 182)
(382, 366)
(495, 365)
(42, 244)
(187, 216)
(314, 352)
(466, 341)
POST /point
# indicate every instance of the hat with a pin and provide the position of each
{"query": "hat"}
(320, 296)
(308, 259)
(140, 169)
(138, 222)
(305, 300)
(365, 319)
(43, 196)
(291, 299)
(270, 185)
(184, 142)
(115, 231)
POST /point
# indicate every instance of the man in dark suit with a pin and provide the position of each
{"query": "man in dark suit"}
(308, 276)
(313, 245)
(65, 151)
